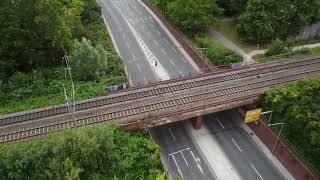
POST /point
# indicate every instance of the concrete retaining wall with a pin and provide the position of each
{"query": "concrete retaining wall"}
(308, 32)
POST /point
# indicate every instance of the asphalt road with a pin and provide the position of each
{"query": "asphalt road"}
(249, 161)
(180, 154)
(140, 41)
(133, 28)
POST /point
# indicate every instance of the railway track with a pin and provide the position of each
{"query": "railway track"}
(182, 102)
(161, 89)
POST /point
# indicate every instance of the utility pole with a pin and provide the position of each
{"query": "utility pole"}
(68, 75)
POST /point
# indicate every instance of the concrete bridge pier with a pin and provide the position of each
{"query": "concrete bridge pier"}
(197, 122)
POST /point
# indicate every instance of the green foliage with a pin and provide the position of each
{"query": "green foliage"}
(265, 20)
(232, 7)
(36, 34)
(88, 62)
(103, 152)
(298, 105)
(44, 87)
(216, 53)
(190, 16)
(43, 37)
(258, 23)
(279, 47)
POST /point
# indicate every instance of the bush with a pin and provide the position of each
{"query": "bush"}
(102, 152)
(279, 47)
(88, 63)
(216, 53)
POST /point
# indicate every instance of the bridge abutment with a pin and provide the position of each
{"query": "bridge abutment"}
(197, 122)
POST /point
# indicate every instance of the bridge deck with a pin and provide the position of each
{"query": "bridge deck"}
(163, 102)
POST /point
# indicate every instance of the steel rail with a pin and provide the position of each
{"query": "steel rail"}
(256, 87)
(233, 75)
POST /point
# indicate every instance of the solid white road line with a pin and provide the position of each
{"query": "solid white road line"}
(178, 151)
(184, 159)
(175, 162)
(256, 171)
(174, 139)
(197, 160)
(220, 123)
(181, 74)
(236, 145)
(145, 80)
(139, 68)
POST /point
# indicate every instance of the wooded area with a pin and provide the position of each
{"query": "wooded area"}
(36, 35)
(263, 21)
(298, 106)
(102, 152)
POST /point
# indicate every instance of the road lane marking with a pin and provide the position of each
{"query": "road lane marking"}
(171, 61)
(174, 139)
(256, 171)
(181, 74)
(163, 52)
(175, 162)
(134, 57)
(156, 42)
(220, 123)
(139, 67)
(145, 80)
(114, 17)
(236, 145)
(128, 45)
(197, 160)
(184, 159)
(178, 151)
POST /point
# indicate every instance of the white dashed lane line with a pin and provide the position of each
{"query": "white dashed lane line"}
(139, 68)
(236, 145)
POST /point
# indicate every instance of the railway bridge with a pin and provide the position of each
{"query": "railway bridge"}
(164, 102)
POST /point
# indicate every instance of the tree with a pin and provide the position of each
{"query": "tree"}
(232, 7)
(258, 23)
(298, 106)
(264, 20)
(193, 16)
(103, 152)
(88, 62)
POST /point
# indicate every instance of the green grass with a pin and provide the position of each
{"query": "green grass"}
(52, 93)
(228, 29)
(295, 54)
(216, 53)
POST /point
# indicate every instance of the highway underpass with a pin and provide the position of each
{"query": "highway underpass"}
(167, 104)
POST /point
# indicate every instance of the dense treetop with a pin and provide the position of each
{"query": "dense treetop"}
(298, 105)
(38, 33)
(35, 35)
(264, 20)
(190, 16)
(103, 152)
